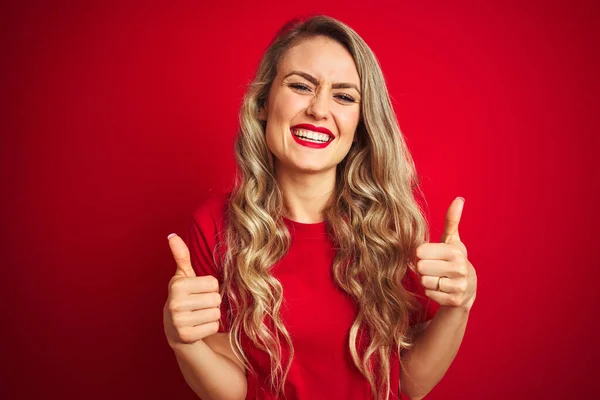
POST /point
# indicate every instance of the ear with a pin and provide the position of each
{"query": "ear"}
(262, 112)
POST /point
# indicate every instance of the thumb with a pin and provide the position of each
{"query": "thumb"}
(181, 254)
(453, 215)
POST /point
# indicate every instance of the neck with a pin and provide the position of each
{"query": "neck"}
(305, 195)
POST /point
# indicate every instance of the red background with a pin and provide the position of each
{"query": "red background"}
(119, 120)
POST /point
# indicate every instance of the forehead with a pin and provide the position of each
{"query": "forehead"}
(321, 57)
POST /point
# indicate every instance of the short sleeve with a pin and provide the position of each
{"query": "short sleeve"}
(429, 307)
(203, 235)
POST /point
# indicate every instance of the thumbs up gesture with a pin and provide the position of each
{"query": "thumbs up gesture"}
(192, 311)
(446, 274)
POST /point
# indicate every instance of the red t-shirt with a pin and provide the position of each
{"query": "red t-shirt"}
(317, 314)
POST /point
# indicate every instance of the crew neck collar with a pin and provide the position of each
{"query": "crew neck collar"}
(300, 229)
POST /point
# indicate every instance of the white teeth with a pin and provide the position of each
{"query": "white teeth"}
(322, 137)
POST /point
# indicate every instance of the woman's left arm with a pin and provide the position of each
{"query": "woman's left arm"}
(450, 280)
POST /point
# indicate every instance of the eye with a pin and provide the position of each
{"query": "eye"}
(346, 98)
(299, 86)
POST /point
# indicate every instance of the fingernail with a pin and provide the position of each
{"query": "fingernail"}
(462, 198)
(172, 234)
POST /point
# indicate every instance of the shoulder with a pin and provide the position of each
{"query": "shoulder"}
(210, 214)
(206, 233)
(214, 206)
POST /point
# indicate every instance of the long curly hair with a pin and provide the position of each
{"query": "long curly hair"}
(373, 218)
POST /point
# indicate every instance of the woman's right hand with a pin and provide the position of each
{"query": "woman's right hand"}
(192, 311)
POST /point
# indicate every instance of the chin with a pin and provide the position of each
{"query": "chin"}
(312, 169)
(306, 168)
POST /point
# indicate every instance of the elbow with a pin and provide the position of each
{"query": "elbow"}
(414, 388)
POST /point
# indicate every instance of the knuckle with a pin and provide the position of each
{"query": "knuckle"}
(172, 280)
(177, 321)
(463, 270)
(180, 316)
(459, 269)
(211, 283)
(214, 282)
(457, 253)
(209, 329)
(177, 286)
(186, 336)
(455, 301)
(174, 307)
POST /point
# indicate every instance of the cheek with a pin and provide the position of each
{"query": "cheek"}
(348, 122)
(286, 106)
(273, 138)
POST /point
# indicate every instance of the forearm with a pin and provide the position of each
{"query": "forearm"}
(427, 361)
(210, 375)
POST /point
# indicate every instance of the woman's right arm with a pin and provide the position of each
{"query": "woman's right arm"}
(191, 322)
(211, 374)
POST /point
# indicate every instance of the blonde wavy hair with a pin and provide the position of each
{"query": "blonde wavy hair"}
(372, 217)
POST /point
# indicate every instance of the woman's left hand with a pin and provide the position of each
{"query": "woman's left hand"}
(446, 273)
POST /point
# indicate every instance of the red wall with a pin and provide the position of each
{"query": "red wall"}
(119, 120)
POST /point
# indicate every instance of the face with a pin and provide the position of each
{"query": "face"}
(313, 107)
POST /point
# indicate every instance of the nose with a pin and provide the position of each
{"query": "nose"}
(319, 106)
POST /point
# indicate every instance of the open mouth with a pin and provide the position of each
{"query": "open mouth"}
(311, 136)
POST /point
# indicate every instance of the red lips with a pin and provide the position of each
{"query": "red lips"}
(313, 128)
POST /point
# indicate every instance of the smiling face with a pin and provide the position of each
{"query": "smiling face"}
(313, 107)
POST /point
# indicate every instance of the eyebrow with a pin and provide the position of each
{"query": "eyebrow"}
(315, 81)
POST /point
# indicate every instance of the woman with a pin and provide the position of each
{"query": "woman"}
(315, 249)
